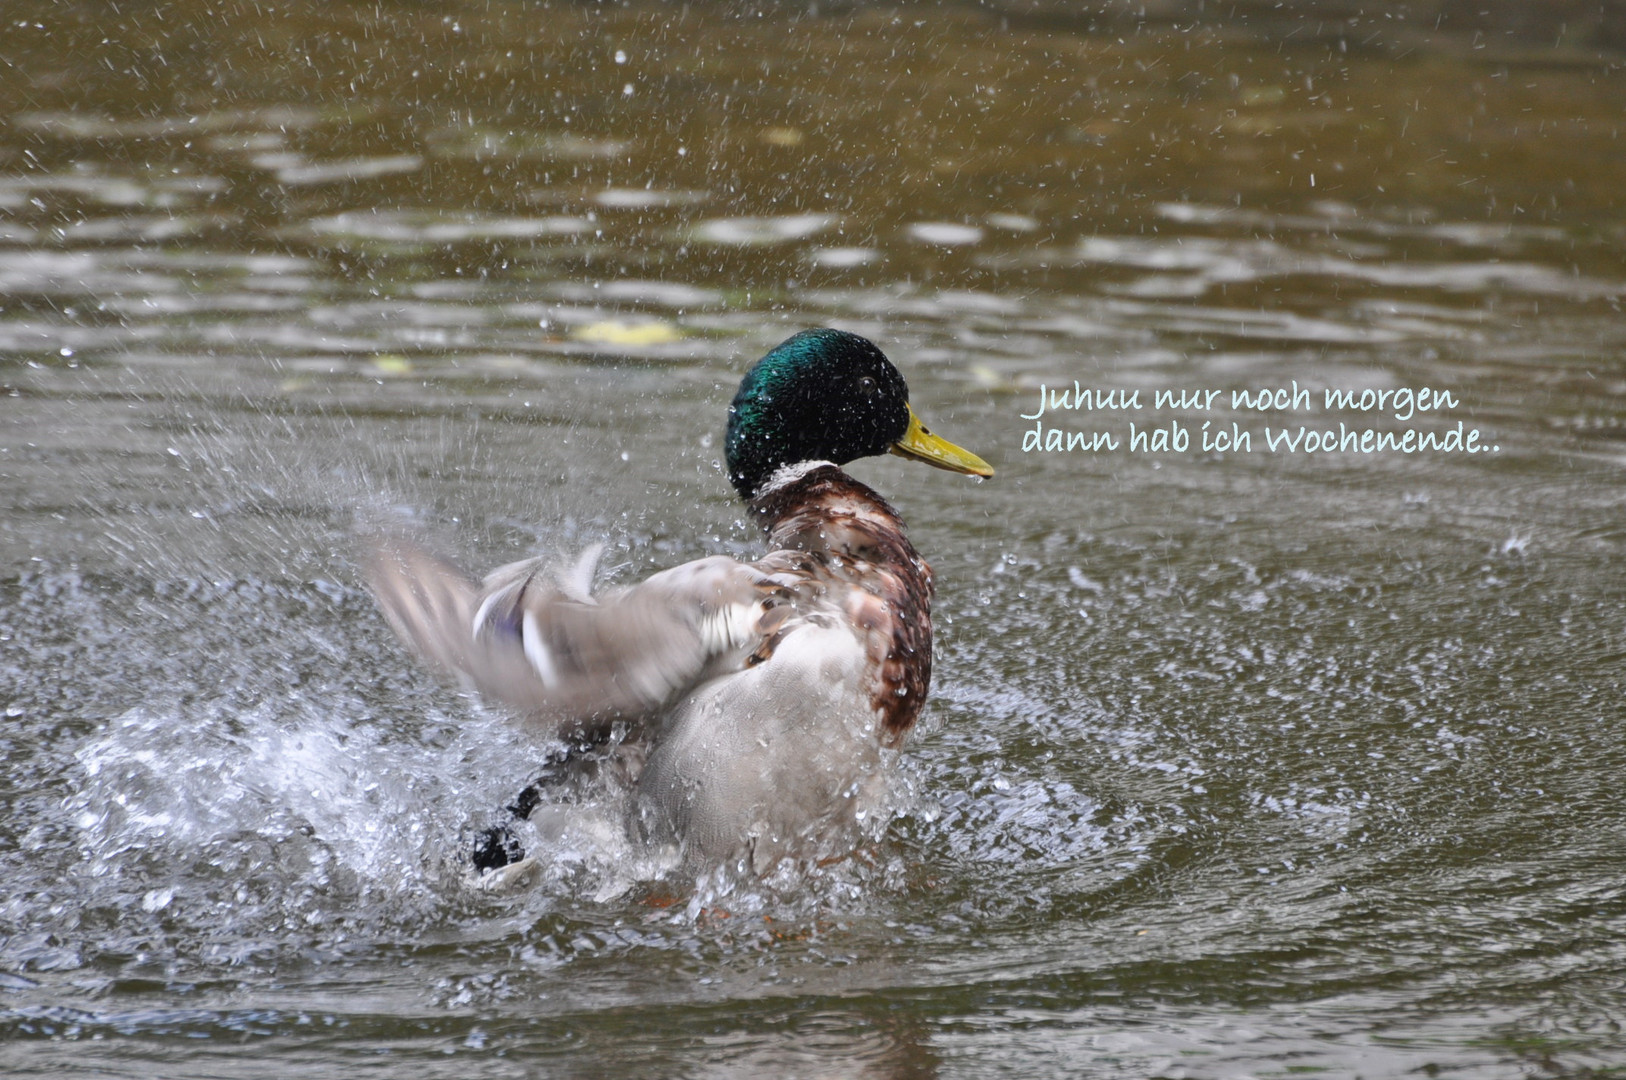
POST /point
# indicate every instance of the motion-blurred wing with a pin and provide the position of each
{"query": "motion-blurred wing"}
(536, 640)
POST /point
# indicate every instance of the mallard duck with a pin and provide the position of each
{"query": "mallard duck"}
(754, 702)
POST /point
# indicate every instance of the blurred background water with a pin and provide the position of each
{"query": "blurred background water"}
(1238, 764)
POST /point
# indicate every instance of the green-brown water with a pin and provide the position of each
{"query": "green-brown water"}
(1237, 764)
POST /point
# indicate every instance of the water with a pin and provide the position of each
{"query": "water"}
(1237, 763)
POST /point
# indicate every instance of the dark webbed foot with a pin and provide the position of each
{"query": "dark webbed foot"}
(497, 846)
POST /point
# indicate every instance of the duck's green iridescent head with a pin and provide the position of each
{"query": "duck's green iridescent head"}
(827, 395)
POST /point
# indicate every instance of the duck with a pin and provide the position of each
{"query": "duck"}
(751, 705)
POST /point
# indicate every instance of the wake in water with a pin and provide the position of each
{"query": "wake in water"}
(291, 794)
(219, 823)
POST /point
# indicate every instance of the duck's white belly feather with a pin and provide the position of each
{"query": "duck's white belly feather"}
(773, 762)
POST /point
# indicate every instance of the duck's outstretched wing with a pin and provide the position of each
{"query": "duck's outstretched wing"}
(532, 637)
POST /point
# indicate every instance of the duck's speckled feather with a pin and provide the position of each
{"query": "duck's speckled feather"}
(853, 539)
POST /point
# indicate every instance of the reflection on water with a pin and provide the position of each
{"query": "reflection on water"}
(1237, 762)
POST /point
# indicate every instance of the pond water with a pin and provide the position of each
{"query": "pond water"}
(1240, 761)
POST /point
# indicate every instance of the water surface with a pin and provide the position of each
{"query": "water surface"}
(1237, 763)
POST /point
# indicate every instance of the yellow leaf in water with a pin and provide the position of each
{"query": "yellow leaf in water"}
(782, 136)
(391, 364)
(622, 333)
(1263, 95)
(984, 375)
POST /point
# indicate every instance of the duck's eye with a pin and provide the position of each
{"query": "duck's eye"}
(866, 383)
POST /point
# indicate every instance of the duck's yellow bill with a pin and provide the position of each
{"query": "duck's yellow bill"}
(918, 444)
